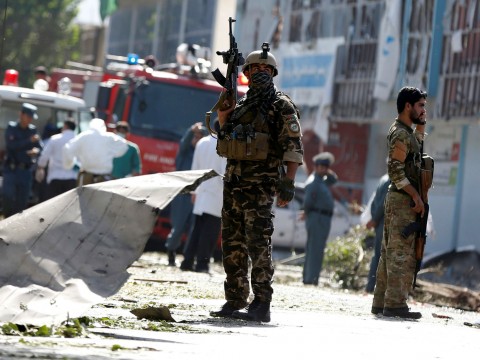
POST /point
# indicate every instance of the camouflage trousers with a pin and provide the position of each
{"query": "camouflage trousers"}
(247, 228)
(396, 267)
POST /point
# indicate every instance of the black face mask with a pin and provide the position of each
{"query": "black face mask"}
(261, 79)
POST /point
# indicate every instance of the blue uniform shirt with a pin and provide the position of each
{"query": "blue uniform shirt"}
(18, 142)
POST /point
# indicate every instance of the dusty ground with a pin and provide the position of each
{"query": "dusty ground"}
(181, 291)
(298, 313)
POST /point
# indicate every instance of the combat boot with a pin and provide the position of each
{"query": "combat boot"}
(377, 310)
(403, 312)
(256, 311)
(226, 310)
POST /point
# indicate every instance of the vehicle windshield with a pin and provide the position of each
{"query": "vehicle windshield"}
(165, 111)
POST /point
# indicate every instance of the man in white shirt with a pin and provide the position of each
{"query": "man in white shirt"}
(94, 149)
(207, 207)
(59, 179)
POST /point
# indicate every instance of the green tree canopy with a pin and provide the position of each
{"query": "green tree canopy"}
(37, 33)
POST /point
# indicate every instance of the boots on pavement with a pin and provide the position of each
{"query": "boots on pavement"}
(403, 312)
(256, 311)
(226, 310)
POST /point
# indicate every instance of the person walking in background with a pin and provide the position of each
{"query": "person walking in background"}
(377, 211)
(261, 165)
(207, 208)
(58, 179)
(318, 211)
(396, 267)
(129, 164)
(23, 145)
(40, 188)
(94, 150)
(181, 206)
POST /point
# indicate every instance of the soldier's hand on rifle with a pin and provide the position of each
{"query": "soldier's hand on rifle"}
(419, 206)
(224, 112)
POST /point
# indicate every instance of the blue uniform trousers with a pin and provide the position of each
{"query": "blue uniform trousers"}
(318, 228)
(17, 186)
(180, 217)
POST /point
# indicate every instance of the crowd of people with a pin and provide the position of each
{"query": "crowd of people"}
(62, 161)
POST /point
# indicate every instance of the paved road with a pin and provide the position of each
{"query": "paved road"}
(317, 322)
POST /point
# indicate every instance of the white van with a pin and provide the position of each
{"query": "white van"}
(53, 109)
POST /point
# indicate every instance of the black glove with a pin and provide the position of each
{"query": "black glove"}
(286, 189)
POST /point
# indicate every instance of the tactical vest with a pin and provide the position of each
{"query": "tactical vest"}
(252, 137)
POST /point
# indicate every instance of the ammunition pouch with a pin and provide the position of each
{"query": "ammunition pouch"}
(246, 147)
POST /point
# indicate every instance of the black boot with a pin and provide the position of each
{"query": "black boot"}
(377, 310)
(403, 312)
(187, 265)
(171, 258)
(226, 310)
(256, 311)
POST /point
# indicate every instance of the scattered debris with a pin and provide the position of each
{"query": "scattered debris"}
(154, 313)
(475, 325)
(440, 316)
(447, 295)
(164, 281)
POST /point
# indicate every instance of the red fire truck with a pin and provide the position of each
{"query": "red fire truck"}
(160, 102)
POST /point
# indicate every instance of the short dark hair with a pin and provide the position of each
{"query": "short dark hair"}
(409, 94)
(70, 124)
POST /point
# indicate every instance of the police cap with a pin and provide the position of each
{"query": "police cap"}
(325, 158)
(30, 110)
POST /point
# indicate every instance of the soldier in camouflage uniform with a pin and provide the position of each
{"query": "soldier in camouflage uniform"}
(250, 185)
(402, 204)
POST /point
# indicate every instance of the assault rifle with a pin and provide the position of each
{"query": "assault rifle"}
(420, 225)
(233, 58)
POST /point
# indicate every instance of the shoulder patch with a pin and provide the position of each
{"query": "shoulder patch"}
(292, 124)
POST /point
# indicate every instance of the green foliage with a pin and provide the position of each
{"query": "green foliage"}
(37, 33)
(116, 347)
(70, 329)
(10, 329)
(347, 259)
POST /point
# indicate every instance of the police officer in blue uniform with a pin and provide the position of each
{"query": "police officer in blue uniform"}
(23, 145)
(318, 207)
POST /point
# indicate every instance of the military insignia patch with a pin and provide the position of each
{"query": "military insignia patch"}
(293, 125)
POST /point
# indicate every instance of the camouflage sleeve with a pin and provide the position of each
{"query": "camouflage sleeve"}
(399, 147)
(290, 134)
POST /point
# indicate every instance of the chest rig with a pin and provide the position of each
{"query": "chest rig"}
(245, 139)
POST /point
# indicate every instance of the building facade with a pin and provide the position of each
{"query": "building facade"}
(346, 60)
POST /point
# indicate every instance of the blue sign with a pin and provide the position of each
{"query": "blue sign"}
(306, 71)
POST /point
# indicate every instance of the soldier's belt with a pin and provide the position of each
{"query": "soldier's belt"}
(247, 148)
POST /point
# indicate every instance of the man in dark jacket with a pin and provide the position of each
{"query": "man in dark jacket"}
(23, 146)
